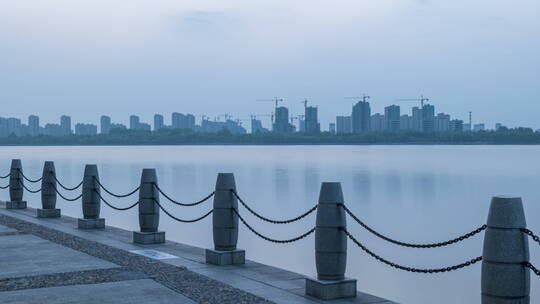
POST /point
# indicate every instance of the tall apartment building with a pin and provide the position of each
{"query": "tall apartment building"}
(377, 123)
(65, 125)
(281, 123)
(158, 122)
(33, 125)
(105, 124)
(311, 121)
(257, 127)
(392, 118)
(417, 119)
(361, 117)
(442, 122)
(428, 118)
(343, 125)
(134, 122)
(406, 123)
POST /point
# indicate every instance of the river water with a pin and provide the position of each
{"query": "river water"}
(411, 193)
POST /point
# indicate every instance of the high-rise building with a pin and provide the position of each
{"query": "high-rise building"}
(158, 122)
(361, 117)
(33, 125)
(456, 125)
(134, 122)
(479, 127)
(85, 129)
(332, 128)
(406, 122)
(417, 119)
(256, 126)
(182, 121)
(392, 117)
(311, 122)
(442, 122)
(65, 124)
(377, 123)
(14, 126)
(105, 124)
(343, 125)
(428, 118)
(281, 123)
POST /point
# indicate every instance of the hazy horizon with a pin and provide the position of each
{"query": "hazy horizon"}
(88, 58)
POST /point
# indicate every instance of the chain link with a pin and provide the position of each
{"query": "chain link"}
(64, 187)
(114, 207)
(28, 179)
(184, 204)
(29, 190)
(411, 269)
(270, 239)
(531, 267)
(182, 220)
(4, 187)
(5, 176)
(432, 245)
(65, 198)
(531, 234)
(115, 195)
(271, 220)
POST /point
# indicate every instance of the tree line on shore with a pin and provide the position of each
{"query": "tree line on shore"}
(188, 137)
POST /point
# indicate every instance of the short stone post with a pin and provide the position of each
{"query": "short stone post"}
(16, 189)
(48, 193)
(505, 280)
(148, 211)
(330, 248)
(91, 203)
(225, 224)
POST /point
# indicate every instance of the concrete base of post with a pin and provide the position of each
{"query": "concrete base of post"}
(331, 290)
(48, 213)
(222, 258)
(16, 205)
(497, 300)
(146, 238)
(98, 223)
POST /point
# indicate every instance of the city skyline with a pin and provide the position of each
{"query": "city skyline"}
(94, 57)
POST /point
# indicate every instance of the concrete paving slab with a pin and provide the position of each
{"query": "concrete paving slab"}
(128, 292)
(4, 229)
(25, 255)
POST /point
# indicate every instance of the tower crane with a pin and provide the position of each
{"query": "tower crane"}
(422, 99)
(364, 97)
(276, 100)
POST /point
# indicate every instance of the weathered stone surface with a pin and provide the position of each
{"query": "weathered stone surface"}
(98, 223)
(331, 290)
(148, 195)
(224, 220)
(48, 213)
(146, 238)
(229, 257)
(16, 205)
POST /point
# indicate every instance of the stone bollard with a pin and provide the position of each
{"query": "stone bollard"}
(148, 211)
(225, 224)
(504, 278)
(91, 203)
(48, 193)
(330, 248)
(16, 189)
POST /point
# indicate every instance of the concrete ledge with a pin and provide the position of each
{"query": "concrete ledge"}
(221, 258)
(16, 205)
(98, 223)
(148, 237)
(331, 290)
(47, 213)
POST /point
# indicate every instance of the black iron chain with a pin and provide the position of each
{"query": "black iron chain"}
(114, 207)
(115, 195)
(270, 239)
(5, 176)
(65, 198)
(63, 186)
(5, 187)
(182, 220)
(411, 269)
(432, 245)
(29, 190)
(271, 220)
(184, 204)
(28, 179)
(531, 267)
(531, 234)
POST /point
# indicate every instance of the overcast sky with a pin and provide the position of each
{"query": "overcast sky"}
(91, 57)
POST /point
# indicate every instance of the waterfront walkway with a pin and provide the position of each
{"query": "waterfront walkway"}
(50, 261)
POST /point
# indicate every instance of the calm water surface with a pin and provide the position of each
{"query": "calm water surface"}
(412, 193)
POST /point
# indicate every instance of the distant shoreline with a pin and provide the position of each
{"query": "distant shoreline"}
(520, 136)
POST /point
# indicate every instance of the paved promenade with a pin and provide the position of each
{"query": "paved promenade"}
(50, 261)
